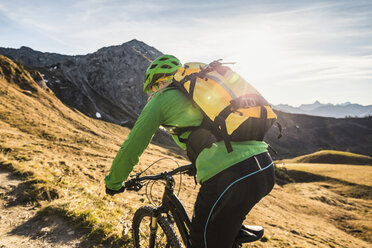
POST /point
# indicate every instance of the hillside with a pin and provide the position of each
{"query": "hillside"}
(333, 157)
(304, 134)
(62, 156)
(344, 190)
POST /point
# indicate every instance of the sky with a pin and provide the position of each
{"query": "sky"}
(293, 51)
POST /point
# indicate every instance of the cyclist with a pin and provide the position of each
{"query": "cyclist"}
(231, 183)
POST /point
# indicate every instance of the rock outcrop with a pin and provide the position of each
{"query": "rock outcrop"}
(106, 84)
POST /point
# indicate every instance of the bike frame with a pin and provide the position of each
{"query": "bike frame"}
(171, 203)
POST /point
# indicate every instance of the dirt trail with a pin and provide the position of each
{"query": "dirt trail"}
(22, 226)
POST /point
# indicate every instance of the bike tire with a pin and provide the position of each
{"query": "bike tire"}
(138, 239)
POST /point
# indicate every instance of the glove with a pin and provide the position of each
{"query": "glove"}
(114, 192)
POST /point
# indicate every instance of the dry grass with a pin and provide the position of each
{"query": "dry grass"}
(346, 190)
(355, 174)
(333, 157)
(65, 155)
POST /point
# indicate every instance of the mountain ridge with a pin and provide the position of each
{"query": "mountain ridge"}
(108, 81)
(342, 110)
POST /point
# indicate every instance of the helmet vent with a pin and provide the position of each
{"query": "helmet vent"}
(162, 67)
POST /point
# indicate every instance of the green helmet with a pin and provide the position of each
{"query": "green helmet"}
(163, 66)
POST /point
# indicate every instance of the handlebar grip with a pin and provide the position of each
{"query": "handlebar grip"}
(128, 183)
(133, 184)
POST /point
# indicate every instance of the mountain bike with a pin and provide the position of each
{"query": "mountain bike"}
(147, 219)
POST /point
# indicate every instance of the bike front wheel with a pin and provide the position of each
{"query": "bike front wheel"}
(164, 236)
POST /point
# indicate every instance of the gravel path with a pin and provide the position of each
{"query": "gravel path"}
(22, 226)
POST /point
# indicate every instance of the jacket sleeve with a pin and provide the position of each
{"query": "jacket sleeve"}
(138, 139)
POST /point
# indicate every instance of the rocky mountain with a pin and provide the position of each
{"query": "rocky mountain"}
(106, 84)
(328, 110)
(34, 58)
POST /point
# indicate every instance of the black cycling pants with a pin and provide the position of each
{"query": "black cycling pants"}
(225, 199)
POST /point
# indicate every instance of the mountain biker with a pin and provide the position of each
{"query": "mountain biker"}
(231, 182)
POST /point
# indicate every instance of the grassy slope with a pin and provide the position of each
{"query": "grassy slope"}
(349, 173)
(333, 157)
(65, 155)
(344, 190)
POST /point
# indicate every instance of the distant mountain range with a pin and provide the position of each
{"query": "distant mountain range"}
(328, 110)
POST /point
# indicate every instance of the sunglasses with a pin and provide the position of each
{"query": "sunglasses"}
(161, 83)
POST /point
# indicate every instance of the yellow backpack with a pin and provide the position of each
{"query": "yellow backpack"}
(234, 110)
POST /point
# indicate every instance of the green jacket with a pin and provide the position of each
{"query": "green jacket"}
(172, 108)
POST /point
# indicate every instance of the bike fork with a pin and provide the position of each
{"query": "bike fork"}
(153, 228)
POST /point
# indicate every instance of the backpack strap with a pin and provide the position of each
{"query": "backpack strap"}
(225, 136)
(178, 131)
(280, 129)
(192, 86)
(220, 125)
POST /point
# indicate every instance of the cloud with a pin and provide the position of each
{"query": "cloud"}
(277, 44)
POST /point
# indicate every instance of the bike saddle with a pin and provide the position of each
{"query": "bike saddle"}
(249, 234)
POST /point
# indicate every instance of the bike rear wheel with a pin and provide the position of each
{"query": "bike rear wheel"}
(164, 237)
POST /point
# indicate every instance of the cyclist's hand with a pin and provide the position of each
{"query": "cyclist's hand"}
(133, 184)
(114, 192)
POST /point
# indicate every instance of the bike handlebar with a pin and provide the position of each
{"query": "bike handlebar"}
(135, 183)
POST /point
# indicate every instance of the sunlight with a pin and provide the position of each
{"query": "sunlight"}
(259, 56)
